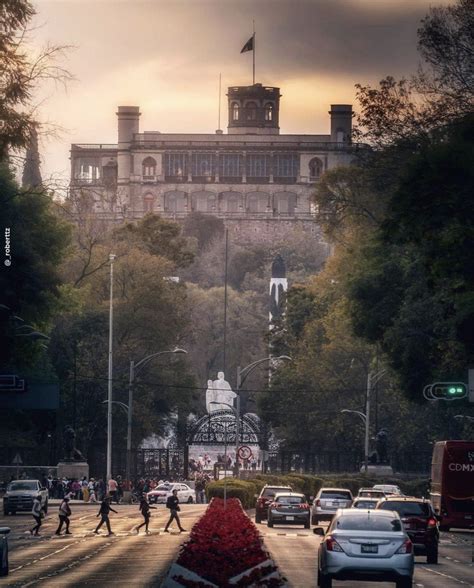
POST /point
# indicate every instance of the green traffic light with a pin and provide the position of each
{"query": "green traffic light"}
(453, 390)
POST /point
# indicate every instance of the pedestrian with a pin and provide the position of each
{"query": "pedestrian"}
(64, 514)
(112, 488)
(199, 488)
(173, 504)
(104, 510)
(38, 514)
(145, 510)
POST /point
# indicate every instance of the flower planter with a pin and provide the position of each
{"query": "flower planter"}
(224, 550)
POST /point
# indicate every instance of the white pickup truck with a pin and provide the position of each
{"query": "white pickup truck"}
(20, 495)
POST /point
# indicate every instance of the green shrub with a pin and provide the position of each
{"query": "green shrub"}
(244, 490)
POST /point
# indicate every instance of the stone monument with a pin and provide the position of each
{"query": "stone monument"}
(73, 465)
(219, 391)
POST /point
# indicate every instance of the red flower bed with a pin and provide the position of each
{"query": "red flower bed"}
(222, 544)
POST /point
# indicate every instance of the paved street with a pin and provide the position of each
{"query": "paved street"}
(85, 559)
(294, 549)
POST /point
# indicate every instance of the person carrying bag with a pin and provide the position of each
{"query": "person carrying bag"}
(173, 504)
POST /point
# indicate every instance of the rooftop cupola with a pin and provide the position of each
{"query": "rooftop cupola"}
(253, 110)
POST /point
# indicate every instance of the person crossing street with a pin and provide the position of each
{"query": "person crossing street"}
(145, 510)
(173, 504)
(104, 510)
(64, 514)
(38, 513)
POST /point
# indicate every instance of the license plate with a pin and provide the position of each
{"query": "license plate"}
(290, 518)
(336, 503)
(369, 548)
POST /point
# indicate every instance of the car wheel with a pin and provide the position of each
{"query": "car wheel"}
(404, 583)
(432, 555)
(190, 500)
(258, 518)
(46, 508)
(269, 523)
(324, 581)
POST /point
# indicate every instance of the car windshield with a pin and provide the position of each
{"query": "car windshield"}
(365, 504)
(407, 509)
(290, 499)
(270, 492)
(372, 493)
(367, 523)
(163, 487)
(23, 486)
(336, 495)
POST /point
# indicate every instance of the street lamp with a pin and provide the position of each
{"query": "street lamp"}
(357, 412)
(112, 257)
(225, 447)
(241, 377)
(460, 417)
(133, 368)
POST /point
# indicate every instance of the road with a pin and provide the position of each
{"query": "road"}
(85, 559)
(294, 550)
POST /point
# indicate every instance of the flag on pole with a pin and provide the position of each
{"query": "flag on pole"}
(248, 45)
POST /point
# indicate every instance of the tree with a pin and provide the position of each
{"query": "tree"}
(20, 74)
(205, 228)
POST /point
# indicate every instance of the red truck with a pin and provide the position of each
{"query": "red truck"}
(452, 484)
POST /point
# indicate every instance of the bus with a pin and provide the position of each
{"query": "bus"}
(452, 484)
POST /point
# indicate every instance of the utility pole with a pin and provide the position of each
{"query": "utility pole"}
(109, 394)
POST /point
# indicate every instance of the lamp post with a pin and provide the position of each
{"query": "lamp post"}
(133, 373)
(225, 447)
(241, 377)
(109, 389)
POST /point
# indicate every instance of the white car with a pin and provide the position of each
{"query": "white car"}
(160, 494)
(388, 488)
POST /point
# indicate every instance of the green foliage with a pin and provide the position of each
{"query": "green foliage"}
(204, 228)
(244, 490)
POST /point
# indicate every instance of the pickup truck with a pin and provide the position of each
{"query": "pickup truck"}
(20, 495)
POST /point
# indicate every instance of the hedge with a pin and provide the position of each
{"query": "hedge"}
(309, 485)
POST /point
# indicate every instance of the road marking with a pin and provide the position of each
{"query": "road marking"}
(444, 575)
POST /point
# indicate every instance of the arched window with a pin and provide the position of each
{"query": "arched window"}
(148, 201)
(251, 109)
(175, 201)
(315, 168)
(235, 111)
(149, 167)
(269, 112)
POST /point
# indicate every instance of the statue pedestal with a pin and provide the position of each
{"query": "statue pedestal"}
(379, 470)
(73, 469)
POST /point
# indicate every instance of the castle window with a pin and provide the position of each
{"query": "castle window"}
(269, 112)
(148, 201)
(251, 111)
(204, 201)
(285, 203)
(257, 202)
(87, 170)
(203, 166)
(315, 168)
(258, 166)
(149, 167)
(175, 201)
(176, 166)
(230, 166)
(286, 167)
(232, 201)
(235, 111)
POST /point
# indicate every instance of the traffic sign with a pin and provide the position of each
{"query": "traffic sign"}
(17, 460)
(244, 452)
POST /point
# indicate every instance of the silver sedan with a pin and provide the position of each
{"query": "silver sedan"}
(362, 545)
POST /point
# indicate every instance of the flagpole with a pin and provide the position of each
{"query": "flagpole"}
(253, 53)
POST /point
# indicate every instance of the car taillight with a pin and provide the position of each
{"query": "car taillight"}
(318, 502)
(405, 547)
(432, 522)
(332, 544)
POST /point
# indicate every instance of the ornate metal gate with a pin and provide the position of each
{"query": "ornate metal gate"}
(219, 428)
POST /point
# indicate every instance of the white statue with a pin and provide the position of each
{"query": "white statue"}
(219, 391)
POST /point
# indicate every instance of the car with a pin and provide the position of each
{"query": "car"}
(289, 508)
(388, 488)
(159, 495)
(370, 493)
(370, 546)
(420, 523)
(267, 494)
(327, 501)
(20, 495)
(365, 503)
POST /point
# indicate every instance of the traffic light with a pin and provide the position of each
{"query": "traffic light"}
(446, 391)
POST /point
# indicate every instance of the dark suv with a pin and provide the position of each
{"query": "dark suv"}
(419, 521)
(265, 497)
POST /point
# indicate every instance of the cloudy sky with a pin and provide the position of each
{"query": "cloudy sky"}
(166, 55)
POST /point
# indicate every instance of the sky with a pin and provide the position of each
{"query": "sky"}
(166, 56)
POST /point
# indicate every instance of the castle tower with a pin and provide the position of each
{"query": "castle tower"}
(128, 125)
(341, 123)
(253, 110)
